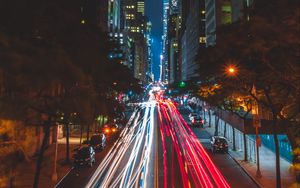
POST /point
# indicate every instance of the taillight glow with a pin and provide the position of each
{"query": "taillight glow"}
(194, 163)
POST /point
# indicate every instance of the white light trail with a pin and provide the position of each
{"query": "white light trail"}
(127, 163)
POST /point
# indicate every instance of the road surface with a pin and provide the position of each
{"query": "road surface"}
(158, 148)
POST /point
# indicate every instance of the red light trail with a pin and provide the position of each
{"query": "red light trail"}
(196, 167)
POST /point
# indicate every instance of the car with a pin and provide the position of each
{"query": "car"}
(192, 115)
(108, 129)
(197, 121)
(98, 141)
(219, 143)
(85, 155)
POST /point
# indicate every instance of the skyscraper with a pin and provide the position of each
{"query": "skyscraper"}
(135, 31)
(114, 15)
(174, 25)
(164, 62)
(149, 73)
(193, 37)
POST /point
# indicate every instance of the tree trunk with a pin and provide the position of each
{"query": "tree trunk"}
(278, 176)
(67, 142)
(11, 177)
(81, 132)
(225, 126)
(245, 147)
(41, 156)
(209, 118)
(102, 122)
(217, 125)
(38, 143)
(233, 141)
(95, 126)
(88, 132)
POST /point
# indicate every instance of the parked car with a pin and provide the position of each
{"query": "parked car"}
(85, 155)
(110, 128)
(219, 143)
(98, 141)
(192, 116)
(197, 121)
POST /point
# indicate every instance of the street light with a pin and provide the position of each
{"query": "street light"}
(231, 70)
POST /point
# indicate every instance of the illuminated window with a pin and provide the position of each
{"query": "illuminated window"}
(141, 7)
(130, 16)
(130, 7)
(202, 40)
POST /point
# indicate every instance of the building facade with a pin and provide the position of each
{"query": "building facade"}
(135, 30)
(126, 25)
(174, 25)
(164, 57)
(221, 13)
(193, 37)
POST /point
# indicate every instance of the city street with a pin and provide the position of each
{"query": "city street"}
(157, 148)
(137, 79)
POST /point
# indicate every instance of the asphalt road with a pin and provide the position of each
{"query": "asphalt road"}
(159, 149)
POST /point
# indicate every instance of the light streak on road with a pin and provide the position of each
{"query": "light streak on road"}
(194, 163)
(132, 161)
(128, 162)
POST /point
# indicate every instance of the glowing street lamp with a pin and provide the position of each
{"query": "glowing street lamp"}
(231, 70)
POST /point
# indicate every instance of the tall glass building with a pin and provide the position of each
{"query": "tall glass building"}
(164, 62)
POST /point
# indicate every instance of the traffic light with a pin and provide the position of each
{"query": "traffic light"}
(181, 84)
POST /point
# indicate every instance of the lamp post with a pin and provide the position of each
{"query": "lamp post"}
(231, 70)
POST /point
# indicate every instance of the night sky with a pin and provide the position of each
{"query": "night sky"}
(154, 13)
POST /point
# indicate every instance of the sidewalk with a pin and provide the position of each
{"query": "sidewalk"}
(267, 164)
(25, 171)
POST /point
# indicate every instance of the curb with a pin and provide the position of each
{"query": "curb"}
(57, 184)
(250, 176)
